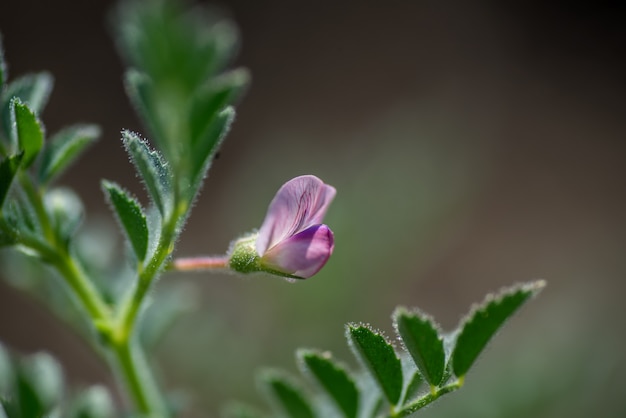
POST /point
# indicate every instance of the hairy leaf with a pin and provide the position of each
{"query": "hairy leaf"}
(379, 358)
(131, 217)
(422, 340)
(484, 321)
(152, 169)
(286, 395)
(63, 149)
(28, 130)
(8, 169)
(31, 89)
(334, 379)
(206, 147)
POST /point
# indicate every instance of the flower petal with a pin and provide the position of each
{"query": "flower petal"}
(300, 203)
(303, 254)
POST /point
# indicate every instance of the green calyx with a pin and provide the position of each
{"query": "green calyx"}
(243, 255)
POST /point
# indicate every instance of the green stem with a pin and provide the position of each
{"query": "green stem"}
(126, 356)
(131, 364)
(35, 198)
(131, 361)
(427, 399)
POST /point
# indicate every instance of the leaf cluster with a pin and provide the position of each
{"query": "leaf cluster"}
(37, 212)
(389, 384)
(33, 386)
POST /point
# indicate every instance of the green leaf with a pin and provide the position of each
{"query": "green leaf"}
(152, 169)
(422, 339)
(40, 384)
(94, 402)
(140, 90)
(6, 371)
(483, 322)
(286, 396)
(8, 168)
(63, 149)
(8, 235)
(170, 44)
(131, 217)
(204, 150)
(29, 132)
(65, 210)
(214, 97)
(379, 358)
(334, 379)
(239, 410)
(31, 89)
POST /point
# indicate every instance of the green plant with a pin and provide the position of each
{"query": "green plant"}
(179, 84)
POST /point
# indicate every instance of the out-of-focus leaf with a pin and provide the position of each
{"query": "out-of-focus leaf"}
(8, 168)
(214, 97)
(286, 396)
(168, 306)
(483, 322)
(63, 149)
(379, 358)
(6, 371)
(31, 89)
(28, 130)
(8, 235)
(169, 44)
(131, 217)
(94, 402)
(65, 209)
(423, 341)
(152, 169)
(334, 379)
(239, 410)
(40, 384)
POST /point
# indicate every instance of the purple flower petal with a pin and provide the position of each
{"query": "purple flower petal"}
(302, 254)
(299, 204)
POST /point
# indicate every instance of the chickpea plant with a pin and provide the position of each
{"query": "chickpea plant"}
(180, 86)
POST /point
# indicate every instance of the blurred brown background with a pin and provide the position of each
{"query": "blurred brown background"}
(473, 145)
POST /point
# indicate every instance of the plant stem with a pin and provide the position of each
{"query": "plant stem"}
(427, 399)
(126, 354)
(140, 384)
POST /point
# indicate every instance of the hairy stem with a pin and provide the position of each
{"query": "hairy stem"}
(427, 399)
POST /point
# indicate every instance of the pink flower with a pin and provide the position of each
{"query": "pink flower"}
(292, 240)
